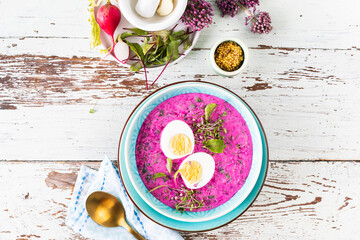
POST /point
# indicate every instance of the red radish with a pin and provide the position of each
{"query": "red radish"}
(121, 51)
(108, 17)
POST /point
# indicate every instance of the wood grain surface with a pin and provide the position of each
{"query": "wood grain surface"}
(299, 200)
(302, 80)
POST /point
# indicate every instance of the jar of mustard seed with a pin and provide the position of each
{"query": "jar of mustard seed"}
(229, 56)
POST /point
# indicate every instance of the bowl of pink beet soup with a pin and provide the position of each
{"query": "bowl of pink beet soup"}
(237, 168)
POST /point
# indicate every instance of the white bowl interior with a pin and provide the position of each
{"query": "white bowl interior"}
(155, 23)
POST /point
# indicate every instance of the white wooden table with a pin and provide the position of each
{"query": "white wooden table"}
(303, 81)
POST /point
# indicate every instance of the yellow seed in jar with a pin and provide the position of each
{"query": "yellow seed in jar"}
(229, 56)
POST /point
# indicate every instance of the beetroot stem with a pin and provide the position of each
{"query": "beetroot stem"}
(173, 28)
(163, 68)
(142, 62)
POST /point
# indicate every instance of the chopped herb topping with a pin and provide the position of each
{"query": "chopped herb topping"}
(188, 200)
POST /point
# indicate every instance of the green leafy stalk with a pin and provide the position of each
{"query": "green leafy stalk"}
(157, 175)
(175, 175)
(157, 188)
(169, 164)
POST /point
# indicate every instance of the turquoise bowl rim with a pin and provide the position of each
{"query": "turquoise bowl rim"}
(135, 122)
(205, 225)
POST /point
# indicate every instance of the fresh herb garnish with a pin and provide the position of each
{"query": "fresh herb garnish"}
(208, 132)
(169, 164)
(157, 175)
(215, 145)
(175, 175)
(209, 109)
(197, 99)
(157, 188)
(188, 200)
(158, 48)
(92, 110)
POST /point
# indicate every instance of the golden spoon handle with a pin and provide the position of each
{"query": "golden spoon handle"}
(132, 231)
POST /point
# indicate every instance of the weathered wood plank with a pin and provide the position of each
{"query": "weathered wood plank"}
(305, 98)
(308, 200)
(306, 24)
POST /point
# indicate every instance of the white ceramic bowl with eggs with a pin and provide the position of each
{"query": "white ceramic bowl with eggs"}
(156, 22)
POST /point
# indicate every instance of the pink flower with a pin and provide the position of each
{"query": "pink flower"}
(198, 14)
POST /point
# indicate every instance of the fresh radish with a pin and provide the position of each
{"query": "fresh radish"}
(108, 17)
(121, 51)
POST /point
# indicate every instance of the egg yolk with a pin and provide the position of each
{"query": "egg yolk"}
(191, 171)
(180, 144)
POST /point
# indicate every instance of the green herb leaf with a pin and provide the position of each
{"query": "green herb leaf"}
(187, 44)
(169, 165)
(125, 35)
(158, 188)
(162, 33)
(173, 49)
(138, 31)
(136, 66)
(209, 109)
(215, 145)
(136, 48)
(92, 110)
(175, 175)
(157, 175)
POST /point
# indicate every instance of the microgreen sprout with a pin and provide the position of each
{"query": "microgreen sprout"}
(188, 200)
(208, 132)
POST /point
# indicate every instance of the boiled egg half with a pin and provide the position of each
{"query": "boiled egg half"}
(177, 140)
(197, 170)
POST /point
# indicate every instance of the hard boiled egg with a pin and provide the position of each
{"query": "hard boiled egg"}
(177, 140)
(197, 170)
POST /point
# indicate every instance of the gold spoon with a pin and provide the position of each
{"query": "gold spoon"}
(107, 210)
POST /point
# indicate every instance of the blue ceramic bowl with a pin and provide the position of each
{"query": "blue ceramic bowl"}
(190, 226)
(132, 129)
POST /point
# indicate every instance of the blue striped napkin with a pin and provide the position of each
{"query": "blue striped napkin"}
(107, 179)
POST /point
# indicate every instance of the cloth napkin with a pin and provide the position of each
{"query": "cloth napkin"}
(107, 179)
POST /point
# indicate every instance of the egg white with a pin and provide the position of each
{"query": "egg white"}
(208, 168)
(171, 129)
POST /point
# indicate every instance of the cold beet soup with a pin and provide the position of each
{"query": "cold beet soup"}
(209, 118)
